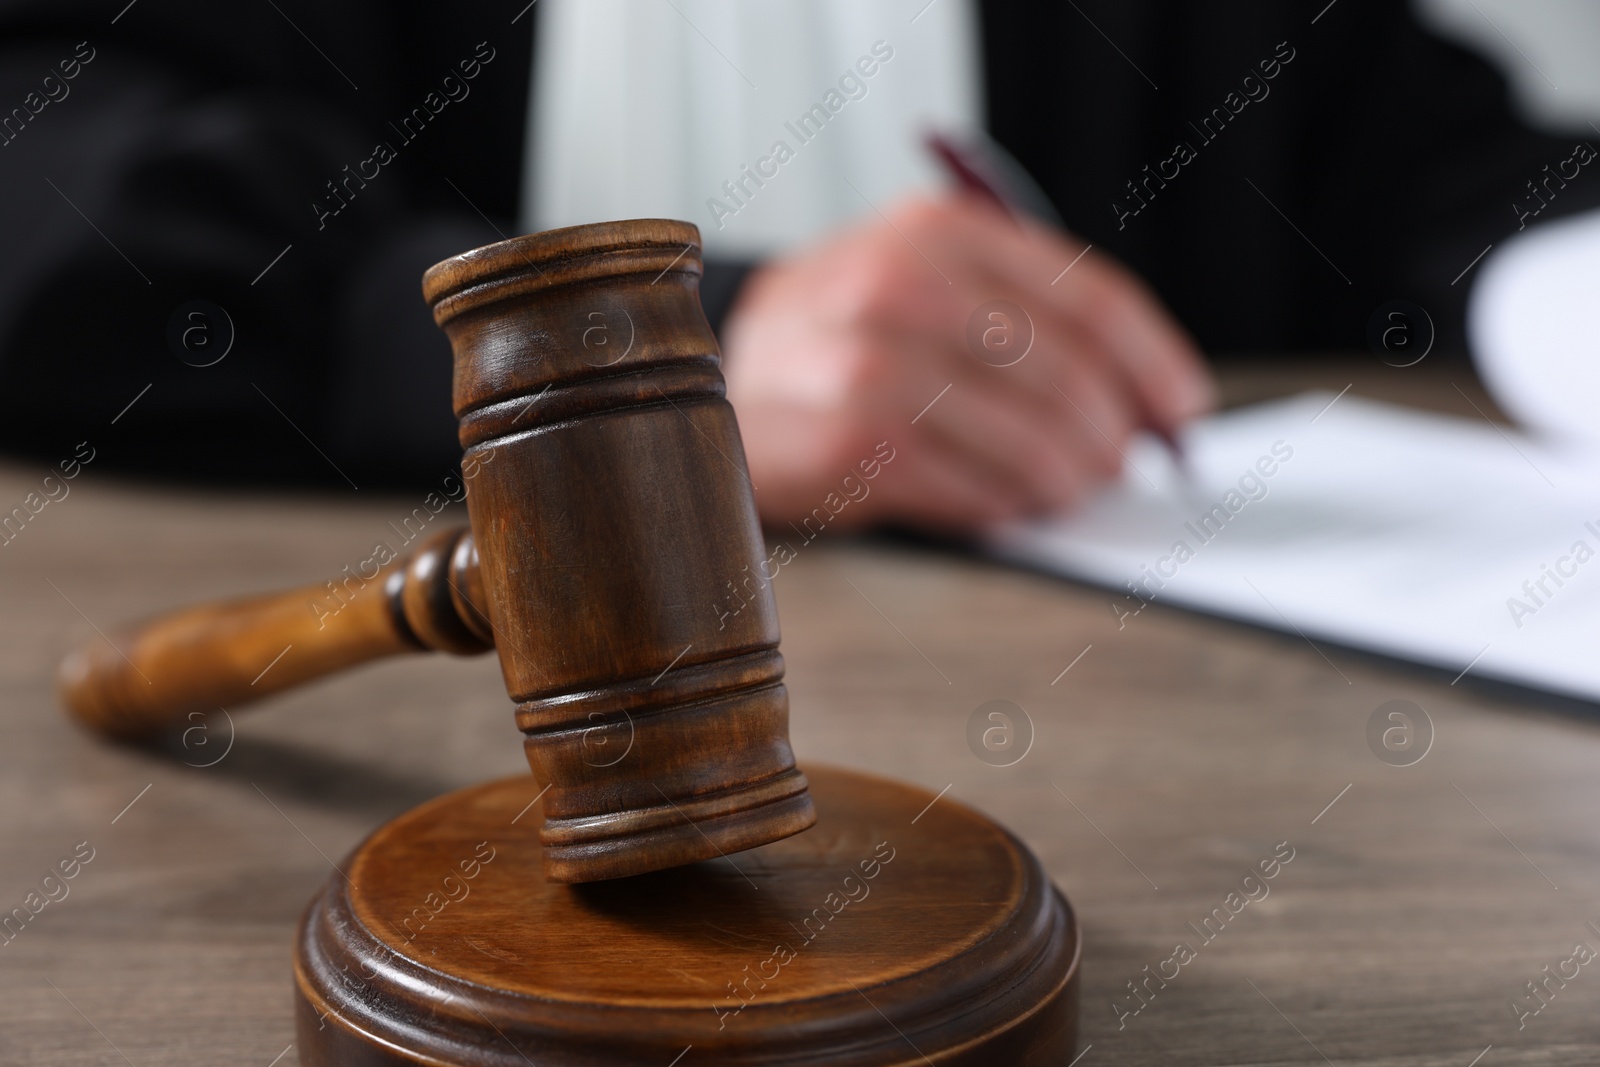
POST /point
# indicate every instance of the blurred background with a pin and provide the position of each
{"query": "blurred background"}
(172, 199)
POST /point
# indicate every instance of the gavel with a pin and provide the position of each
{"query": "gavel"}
(610, 509)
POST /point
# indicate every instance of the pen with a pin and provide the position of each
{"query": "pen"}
(978, 172)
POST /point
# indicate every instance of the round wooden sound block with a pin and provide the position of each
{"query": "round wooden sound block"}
(900, 930)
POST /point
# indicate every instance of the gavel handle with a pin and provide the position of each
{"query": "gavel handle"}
(212, 656)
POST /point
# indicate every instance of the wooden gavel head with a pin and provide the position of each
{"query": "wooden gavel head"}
(610, 510)
(611, 506)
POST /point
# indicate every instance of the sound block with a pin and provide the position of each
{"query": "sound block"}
(903, 929)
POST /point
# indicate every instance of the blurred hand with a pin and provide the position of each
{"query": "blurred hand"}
(843, 346)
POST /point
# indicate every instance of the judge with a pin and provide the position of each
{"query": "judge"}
(1230, 177)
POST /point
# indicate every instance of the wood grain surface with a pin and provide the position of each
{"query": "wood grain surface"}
(1172, 757)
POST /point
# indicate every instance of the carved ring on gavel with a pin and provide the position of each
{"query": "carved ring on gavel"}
(609, 505)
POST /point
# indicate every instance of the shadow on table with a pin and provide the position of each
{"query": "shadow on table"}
(287, 771)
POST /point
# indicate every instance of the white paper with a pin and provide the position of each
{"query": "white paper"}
(1534, 320)
(1409, 534)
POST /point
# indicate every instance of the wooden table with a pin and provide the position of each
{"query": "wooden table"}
(1173, 756)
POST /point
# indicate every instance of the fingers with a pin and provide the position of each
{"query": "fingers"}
(867, 337)
(1015, 438)
(1082, 294)
(931, 484)
(1043, 369)
(798, 456)
(1017, 447)
(967, 453)
(1164, 368)
(1098, 411)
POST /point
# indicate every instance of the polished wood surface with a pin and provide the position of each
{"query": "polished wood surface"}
(439, 939)
(1416, 907)
(609, 499)
(199, 660)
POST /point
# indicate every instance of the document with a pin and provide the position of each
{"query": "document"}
(1450, 542)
